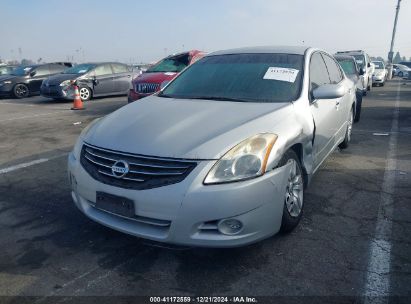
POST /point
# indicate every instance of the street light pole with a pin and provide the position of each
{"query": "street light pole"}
(391, 52)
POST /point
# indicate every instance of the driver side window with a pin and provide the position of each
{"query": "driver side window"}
(318, 73)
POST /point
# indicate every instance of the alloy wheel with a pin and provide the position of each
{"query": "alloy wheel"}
(84, 94)
(21, 91)
(294, 192)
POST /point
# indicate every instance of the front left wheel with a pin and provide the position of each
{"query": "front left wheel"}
(294, 193)
(20, 90)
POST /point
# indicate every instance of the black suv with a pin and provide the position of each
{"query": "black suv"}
(26, 80)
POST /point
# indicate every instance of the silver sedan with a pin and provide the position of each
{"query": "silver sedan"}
(222, 155)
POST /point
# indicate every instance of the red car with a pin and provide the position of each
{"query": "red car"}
(162, 72)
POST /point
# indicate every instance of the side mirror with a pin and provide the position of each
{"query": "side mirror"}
(368, 65)
(362, 71)
(33, 73)
(329, 91)
(95, 80)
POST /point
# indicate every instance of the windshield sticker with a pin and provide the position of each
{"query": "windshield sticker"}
(281, 74)
(27, 69)
(82, 71)
(169, 73)
(360, 61)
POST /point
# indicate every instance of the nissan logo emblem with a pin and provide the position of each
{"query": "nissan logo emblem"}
(120, 168)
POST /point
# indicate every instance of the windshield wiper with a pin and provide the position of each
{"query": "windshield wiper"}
(220, 98)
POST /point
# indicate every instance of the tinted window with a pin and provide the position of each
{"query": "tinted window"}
(241, 77)
(348, 66)
(360, 59)
(57, 68)
(378, 64)
(103, 69)
(318, 72)
(119, 68)
(22, 70)
(42, 70)
(333, 69)
(80, 69)
(171, 64)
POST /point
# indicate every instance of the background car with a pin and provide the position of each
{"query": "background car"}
(93, 80)
(363, 62)
(380, 73)
(161, 73)
(406, 63)
(220, 157)
(401, 70)
(26, 80)
(6, 69)
(351, 70)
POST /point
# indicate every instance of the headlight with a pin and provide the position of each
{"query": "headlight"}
(246, 160)
(65, 83)
(7, 82)
(80, 140)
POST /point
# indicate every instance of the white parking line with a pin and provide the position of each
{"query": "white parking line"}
(29, 164)
(377, 288)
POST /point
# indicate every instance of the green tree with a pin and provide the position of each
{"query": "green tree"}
(397, 58)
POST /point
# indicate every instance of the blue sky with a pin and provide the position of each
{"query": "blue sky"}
(144, 31)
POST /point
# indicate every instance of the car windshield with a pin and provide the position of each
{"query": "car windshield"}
(378, 64)
(21, 71)
(80, 69)
(348, 66)
(171, 64)
(240, 77)
(360, 60)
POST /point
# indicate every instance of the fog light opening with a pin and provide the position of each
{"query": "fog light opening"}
(230, 226)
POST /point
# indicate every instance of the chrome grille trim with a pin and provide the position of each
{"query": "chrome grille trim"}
(146, 87)
(144, 172)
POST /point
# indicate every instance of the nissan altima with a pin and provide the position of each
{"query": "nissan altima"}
(221, 156)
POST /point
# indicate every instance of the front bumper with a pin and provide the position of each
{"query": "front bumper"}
(133, 95)
(55, 91)
(378, 79)
(187, 213)
(6, 89)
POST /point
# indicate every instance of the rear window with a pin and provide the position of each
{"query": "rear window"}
(378, 64)
(241, 77)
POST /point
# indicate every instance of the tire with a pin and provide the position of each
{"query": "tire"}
(20, 90)
(382, 84)
(85, 93)
(294, 194)
(358, 108)
(400, 74)
(345, 143)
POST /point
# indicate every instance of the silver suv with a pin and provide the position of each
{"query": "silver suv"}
(364, 63)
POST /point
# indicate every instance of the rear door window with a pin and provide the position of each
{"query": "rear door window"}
(119, 68)
(103, 69)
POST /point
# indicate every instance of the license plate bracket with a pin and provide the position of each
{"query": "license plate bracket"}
(115, 204)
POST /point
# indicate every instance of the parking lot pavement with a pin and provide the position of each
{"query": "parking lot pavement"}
(354, 239)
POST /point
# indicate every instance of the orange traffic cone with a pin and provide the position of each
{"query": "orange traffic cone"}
(77, 103)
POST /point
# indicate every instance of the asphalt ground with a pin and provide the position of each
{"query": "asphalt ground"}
(352, 246)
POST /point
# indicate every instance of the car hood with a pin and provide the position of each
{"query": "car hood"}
(10, 77)
(59, 78)
(157, 77)
(183, 128)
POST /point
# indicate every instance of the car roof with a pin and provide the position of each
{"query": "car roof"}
(296, 50)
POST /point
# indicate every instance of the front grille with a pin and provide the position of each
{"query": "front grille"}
(147, 88)
(144, 172)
